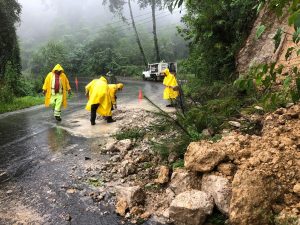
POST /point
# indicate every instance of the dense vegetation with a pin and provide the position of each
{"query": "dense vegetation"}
(111, 49)
(9, 48)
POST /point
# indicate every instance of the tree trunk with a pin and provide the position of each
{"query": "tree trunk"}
(156, 48)
(137, 35)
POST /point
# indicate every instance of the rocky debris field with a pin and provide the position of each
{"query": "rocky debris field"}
(249, 179)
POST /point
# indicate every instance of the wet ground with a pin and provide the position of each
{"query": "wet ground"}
(42, 160)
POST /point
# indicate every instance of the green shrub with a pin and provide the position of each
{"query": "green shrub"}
(6, 94)
(178, 164)
(134, 133)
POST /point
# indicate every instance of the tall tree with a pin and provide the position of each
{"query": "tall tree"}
(153, 4)
(9, 49)
(136, 34)
(116, 7)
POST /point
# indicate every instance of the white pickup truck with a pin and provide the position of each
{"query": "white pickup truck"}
(154, 71)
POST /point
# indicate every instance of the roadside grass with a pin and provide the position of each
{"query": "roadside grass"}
(20, 103)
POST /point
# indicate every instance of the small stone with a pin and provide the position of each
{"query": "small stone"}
(235, 124)
(145, 215)
(9, 192)
(290, 104)
(259, 108)
(67, 217)
(121, 207)
(296, 189)
(136, 211)
(71, 191)
(163, 176)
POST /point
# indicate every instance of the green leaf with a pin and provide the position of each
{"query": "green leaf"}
(295, 69)
(298, 85)
(250, 84)
(295, 96)
(265, 68)
(280, 69)
(258, 80)
(277, 38)
(297, 20)
(267, 81)
(260, 30)
(296, 34)
(289, 53)
(287, 81)
(259, 7)
(272, 67)
(298, 52)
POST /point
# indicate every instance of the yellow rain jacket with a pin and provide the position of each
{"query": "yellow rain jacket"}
(113, 88)
(99, 94)
(170, 82)
(63, 81)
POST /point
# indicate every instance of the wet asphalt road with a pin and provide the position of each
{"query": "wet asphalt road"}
(36, 157)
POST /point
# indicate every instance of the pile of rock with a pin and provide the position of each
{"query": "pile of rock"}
(250, 178)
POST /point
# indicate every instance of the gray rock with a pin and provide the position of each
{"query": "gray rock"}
(191, 208)
(235, 124)
(127, 168)
(220, 189)
(133, 196)
(183, 180)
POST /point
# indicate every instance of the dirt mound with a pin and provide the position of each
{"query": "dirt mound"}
(268, 170)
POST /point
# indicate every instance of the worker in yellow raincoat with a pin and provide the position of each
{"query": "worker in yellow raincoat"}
(99, 101)
(171, 91)
(113, 88)
(55, 89)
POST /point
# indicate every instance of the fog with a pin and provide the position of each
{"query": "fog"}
(42, 19)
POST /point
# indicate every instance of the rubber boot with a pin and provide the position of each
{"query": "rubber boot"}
(110, 119)
(58, 118)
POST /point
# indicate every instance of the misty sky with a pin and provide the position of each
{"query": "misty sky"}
(40, 18)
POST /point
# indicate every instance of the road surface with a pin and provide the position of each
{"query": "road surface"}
(37, 155)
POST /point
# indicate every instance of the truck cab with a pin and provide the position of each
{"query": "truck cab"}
(154, 70)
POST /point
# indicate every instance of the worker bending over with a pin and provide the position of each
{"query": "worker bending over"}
(55, 89)
(171, 91)
(113, 89)
(99, 101)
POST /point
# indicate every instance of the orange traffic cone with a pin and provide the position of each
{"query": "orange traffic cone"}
(76, 83)
(140, 95)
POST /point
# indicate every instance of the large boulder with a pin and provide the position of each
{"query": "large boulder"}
(220, 189)
(251, 198)
(191, 208)
(202, 157)
(183, 180)
(133, 196)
